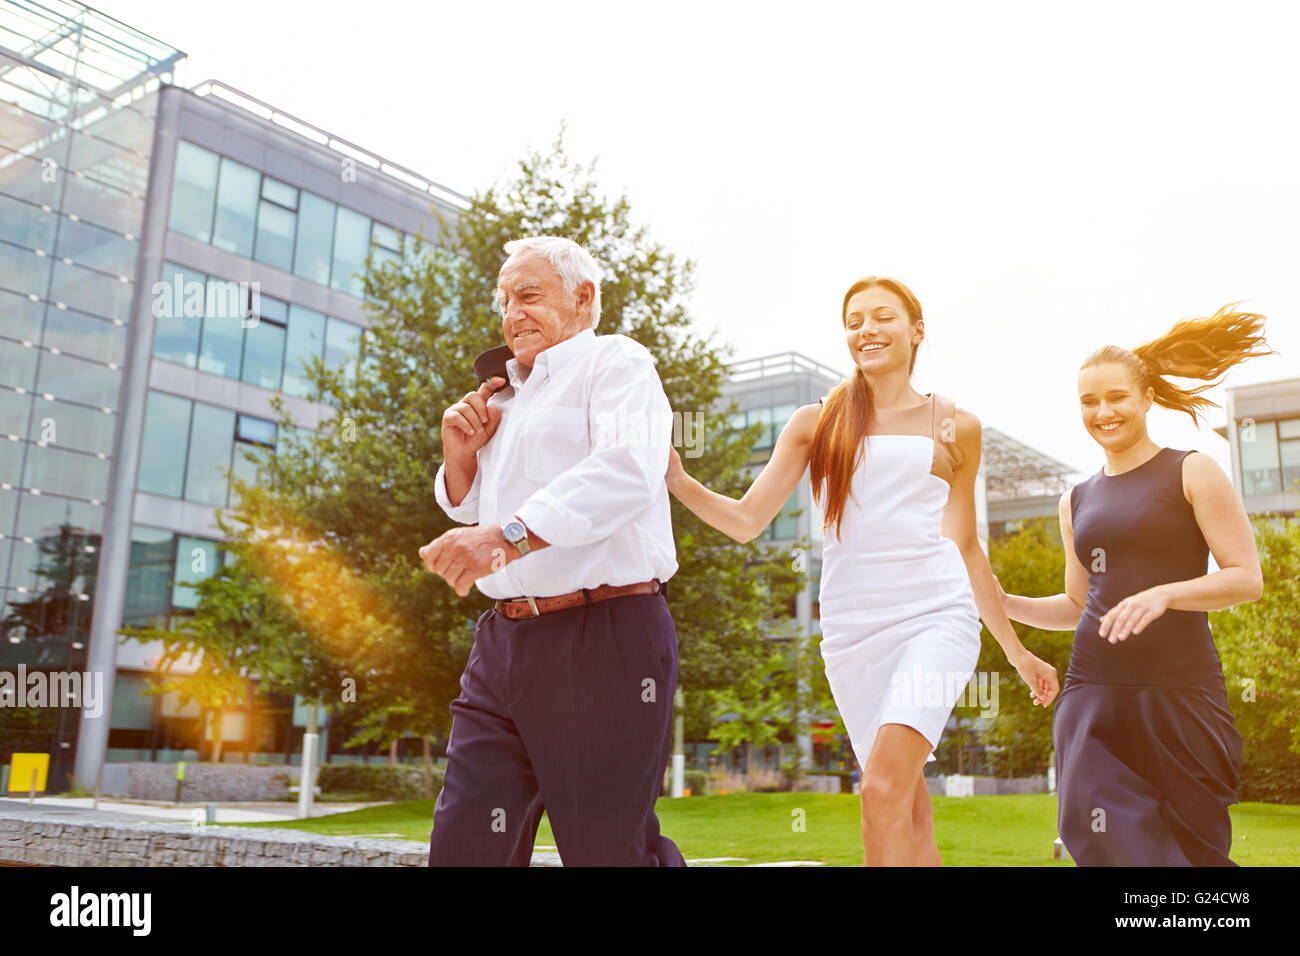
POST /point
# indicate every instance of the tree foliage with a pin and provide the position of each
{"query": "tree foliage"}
(1031, 562)
(334, 524)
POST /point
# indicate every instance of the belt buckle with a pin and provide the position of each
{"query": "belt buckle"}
(532, 604)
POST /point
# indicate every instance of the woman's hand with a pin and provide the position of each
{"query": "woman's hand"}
(1133, 613)
(676, 472)
(1005, 598)
(1039, 675)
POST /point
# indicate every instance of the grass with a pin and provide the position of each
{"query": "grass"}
(761, 828)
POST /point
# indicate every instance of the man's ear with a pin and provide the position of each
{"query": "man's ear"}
(585, 295)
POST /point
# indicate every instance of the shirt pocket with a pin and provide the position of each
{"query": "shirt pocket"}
(557, 439)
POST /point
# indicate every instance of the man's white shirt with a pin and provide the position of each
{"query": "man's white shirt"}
(579, 457)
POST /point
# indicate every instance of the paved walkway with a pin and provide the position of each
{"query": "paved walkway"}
(83, 808)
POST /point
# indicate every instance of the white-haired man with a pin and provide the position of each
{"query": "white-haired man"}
(566, 700)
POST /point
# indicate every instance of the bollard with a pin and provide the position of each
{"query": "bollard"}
(211, 813)
(180, 779)
(1057, 847)
(31, 798)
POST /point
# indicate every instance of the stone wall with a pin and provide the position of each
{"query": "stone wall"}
(216, 782)
(981, 786)
(27, 839)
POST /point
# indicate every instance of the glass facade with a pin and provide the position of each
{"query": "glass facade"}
(773, 419)
(239, 209)
(78, 102)
(1270, 456)
(189, 444)
(785, 525)
(207, 323)
(79, 94)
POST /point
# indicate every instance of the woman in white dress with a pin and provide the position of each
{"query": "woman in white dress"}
(904, 579)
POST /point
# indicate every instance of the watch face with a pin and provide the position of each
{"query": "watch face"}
(514, 530)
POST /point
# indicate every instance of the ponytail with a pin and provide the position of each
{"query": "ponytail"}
(836, 444)
(1202, 349)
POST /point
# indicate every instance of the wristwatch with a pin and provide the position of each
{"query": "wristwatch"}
(515, 532)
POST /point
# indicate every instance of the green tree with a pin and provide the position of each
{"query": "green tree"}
(342, 509)
(1031, 562)
(240, 631)
(1259, 646)
(773, 704)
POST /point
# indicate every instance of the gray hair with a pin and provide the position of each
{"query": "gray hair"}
(573, 263)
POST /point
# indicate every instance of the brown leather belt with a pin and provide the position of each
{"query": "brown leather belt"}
(517, 608)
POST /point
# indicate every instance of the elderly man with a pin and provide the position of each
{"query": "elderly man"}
(566, 700)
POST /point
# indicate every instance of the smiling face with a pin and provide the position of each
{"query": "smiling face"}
(1114, 410)
(879, 332)
(536, 311)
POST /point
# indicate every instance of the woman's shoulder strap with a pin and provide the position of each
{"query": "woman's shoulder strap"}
(943, 417)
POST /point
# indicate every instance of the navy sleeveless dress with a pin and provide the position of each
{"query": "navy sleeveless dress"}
(1148, 758)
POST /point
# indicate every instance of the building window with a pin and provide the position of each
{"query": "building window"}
(781, 414)
(178, 307)
(149, 578)
(194, 192)
(1260, 471)
(237, 195)
(210, 439)
(306, 340)
(763, 415)
(236, 208)
(785, 526)
(196, 560)
(211, 433)
(221, 345)
(204, 322)
(351, 243)
(166, 433)
(164, 568)
(78, 381)
(388, 244)
(264, 344)
(1288, 433)
(255, 437)
(277, 221)
(311, 258)
(342, 343)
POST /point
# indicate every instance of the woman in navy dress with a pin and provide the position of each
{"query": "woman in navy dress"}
(1147, 755)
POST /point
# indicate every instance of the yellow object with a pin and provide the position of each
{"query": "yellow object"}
(21, 767)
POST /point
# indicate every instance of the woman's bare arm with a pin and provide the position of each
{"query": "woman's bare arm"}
(745, 519)
(1060, 612)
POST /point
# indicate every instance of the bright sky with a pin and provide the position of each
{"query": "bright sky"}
(1046, 178)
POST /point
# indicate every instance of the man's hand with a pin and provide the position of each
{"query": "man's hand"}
(470, 423)
(463, 555)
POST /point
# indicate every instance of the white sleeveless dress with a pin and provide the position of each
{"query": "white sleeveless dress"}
(901, 634)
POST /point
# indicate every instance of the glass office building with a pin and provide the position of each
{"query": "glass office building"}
(1263, 432)
(169, 259)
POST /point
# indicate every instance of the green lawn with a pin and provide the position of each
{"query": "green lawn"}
(760, 827)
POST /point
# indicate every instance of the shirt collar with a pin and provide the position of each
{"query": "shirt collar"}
(553, 358)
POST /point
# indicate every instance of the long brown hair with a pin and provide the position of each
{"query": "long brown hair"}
(847, 415)
(1202, 348)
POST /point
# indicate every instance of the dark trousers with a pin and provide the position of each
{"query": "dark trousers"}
(571, 712)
